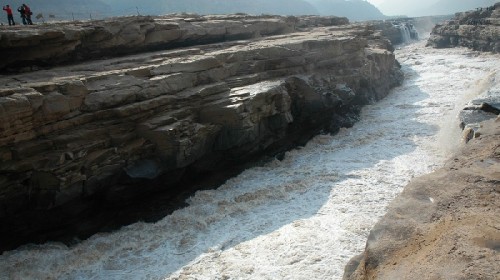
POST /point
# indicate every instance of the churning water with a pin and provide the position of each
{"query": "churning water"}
(300, 218)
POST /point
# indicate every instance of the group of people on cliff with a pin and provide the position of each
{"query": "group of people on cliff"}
(480, 17)
(24, 11)
(489, 9)
(478, 21)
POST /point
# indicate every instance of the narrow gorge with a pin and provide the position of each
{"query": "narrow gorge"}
(251, 147)
(145, 106)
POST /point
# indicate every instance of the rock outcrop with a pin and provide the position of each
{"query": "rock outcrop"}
(478, 110)
(477, 30)
(109, 132)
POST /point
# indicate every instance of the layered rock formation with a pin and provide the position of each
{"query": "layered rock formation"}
(42, 45)
(109, 132)
(478, 30)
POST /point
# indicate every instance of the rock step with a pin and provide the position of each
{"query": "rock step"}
(62, 43)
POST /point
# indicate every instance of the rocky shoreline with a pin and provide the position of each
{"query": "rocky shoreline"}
(444, 225)
(477, 30)
(81, 143)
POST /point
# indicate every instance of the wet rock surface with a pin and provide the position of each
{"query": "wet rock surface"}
(84, 147)
(477, 30)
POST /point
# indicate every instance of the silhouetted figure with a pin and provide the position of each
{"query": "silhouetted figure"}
(28, 13)
(10, 18)
(22, 14)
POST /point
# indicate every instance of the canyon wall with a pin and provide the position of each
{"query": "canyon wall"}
(216, 93)
(478, 30)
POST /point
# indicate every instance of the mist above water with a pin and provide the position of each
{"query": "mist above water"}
(300, 218)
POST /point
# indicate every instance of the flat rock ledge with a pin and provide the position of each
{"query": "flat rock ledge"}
(478, 30)
(47, 45)
(80, 139)
(445, 225)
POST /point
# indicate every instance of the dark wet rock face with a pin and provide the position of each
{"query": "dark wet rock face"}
(93, 145)
(477, 30)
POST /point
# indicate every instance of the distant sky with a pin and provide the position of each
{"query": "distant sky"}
(427, 7)
(401, 7)
(376, 2)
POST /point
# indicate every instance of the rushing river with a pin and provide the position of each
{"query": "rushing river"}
(300, 218)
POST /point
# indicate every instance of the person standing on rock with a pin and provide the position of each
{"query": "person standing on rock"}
(27, 14)
(22, 14)
(10, 18)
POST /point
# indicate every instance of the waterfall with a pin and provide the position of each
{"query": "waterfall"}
(405, 33)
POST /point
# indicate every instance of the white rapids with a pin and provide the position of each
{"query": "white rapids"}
(300, 218)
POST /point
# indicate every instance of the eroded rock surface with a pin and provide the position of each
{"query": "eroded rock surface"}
(109, 132)
(478, 30)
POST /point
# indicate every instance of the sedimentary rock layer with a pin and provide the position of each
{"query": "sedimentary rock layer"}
(111, 131)
(48, 45)
(478, 30)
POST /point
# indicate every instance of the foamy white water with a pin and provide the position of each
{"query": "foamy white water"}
(300, 218)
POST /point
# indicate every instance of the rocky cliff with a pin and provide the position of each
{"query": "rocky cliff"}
(217, 93)
(478, 30)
